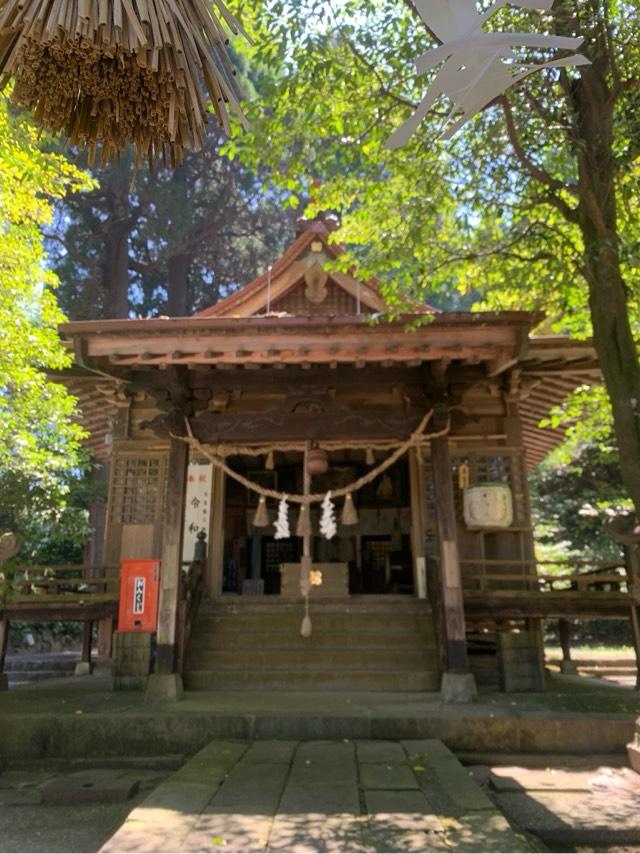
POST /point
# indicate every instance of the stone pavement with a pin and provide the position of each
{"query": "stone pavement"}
(84, 717)
(318, 796)
(63, 806)
(578, 806)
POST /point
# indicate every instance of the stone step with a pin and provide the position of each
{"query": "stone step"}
(346, 658)
(318, 680)
(607, 671)
(322, 621)
(22, 676)
(40, 662)
(353, 604)
(291, 639)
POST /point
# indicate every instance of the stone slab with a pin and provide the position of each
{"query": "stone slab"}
(326, 798)
(485, 832)
(316, 832)
(70, 790)
(19, 797)
(553, 811)
(175, 796)
(515, 779)
(380, 751)
(229, 831)
(22, 778)
(386, 777)
(270, 752)
(406, 810)
(166, 762)
(426, 748)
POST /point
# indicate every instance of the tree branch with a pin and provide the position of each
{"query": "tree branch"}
(383, 89)
(538, 173)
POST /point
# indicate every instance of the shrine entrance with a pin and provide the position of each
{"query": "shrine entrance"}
(371, 556)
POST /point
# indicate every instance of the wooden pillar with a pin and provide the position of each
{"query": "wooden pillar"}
(450, 575)
(4, 637)
(105, 638)
(170, 570)
(564, 631)
(215, 570)
(417, 486)
(632, 561)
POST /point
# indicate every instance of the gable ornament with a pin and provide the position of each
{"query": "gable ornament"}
(316, 280)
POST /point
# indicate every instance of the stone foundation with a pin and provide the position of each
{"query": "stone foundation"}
(633, 749)
(520, 665)
(133, 654)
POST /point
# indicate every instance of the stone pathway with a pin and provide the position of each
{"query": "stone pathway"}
(319, 796)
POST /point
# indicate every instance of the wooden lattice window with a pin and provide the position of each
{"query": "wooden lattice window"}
(135, 487)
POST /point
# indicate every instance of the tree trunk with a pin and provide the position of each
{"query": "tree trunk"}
(178, 271)
(612, 336)
(115, 269)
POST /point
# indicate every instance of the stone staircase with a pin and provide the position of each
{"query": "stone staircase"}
(36, 667)
(366, 643)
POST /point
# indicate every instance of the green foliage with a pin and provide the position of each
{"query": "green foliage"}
(199, 231)
(456, 218)
(572, 496)
(39, 442)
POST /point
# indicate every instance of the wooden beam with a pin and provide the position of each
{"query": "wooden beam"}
(236, 377)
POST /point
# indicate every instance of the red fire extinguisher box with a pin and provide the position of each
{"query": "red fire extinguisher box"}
(139, 589)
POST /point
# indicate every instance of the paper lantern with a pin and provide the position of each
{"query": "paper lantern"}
(488, 505)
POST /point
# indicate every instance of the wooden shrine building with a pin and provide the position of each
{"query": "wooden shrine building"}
(293, 362)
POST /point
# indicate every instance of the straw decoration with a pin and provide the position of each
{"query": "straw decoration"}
(303, 527)
(261, 517)
(349, 512)
(107, 73)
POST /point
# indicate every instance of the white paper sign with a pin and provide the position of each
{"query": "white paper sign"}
(197, 512)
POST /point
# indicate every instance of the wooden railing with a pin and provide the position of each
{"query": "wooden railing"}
(583, 576)
(68, 583)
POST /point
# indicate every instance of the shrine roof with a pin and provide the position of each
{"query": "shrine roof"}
(312, 248)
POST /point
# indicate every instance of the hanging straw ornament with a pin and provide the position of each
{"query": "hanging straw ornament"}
(305, 590)
(261, 518)
(268, 463)
(282, 522)
(107, 73)
(349, 512)
(303, 527)
(328, 527)
(369, 456)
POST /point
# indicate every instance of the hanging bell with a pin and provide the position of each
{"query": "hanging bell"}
(317, 461)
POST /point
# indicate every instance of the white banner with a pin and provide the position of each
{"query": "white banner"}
(197, 512)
